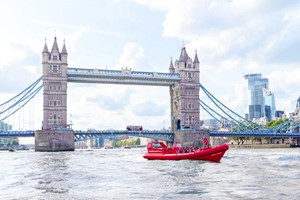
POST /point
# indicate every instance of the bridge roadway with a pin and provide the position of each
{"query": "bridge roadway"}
(84, 135)
(252, 134)
(159, 135)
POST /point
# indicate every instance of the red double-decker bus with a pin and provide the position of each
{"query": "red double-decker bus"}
(134, 128)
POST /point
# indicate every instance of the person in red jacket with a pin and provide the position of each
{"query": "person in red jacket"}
(205, 142)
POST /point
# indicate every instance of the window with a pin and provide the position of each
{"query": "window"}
(54, 118)
(54, 87)
(54, 68)
(50, 119)
(54, 57)
(190, 120)
(189, 75)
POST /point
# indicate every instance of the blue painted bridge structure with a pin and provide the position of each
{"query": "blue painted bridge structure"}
(159, 135)
(84, 135)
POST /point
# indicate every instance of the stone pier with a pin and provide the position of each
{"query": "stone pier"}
(54, 140)
(189, 138)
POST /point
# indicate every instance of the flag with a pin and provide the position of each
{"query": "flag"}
(266, 92)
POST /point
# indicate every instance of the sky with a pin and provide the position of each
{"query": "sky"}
(232, 38)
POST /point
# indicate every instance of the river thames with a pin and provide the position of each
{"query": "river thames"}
(125, 174)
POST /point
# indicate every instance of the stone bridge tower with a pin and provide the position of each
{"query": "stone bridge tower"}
(54, 135)
(185, 112)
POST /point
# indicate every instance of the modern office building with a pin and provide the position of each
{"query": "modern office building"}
(259, 100)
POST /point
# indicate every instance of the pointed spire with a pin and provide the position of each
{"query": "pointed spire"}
(196, 60)
(45, 50)
(64, 49)
(54, 46)
(171, 68)
(183, 55)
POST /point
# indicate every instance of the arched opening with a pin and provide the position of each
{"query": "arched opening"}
(178, 126)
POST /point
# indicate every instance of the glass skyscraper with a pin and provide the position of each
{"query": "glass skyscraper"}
(259, 101)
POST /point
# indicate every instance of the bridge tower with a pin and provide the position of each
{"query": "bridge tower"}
(185, 112)
(54, 135)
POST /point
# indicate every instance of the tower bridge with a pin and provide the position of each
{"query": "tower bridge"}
(183, 81)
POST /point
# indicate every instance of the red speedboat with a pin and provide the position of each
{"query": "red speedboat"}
(159, 151)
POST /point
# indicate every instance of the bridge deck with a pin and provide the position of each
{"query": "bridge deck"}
(161, 135)
(253, 134)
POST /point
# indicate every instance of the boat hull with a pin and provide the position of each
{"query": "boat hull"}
(210, 154)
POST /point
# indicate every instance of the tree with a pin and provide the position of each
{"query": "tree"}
(275, 122)
(138, 141)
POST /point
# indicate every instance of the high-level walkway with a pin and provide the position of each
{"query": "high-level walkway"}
(125, 76)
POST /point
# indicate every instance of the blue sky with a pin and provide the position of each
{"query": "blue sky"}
(232, 38)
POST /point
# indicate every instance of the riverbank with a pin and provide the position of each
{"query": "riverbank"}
(260, 146)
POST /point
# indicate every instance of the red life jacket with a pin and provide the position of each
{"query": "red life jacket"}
(205, 141)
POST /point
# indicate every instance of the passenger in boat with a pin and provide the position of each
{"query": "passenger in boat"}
(205, 142)
(185, 150)
(176, 145)
(191, 149)
(180, 150)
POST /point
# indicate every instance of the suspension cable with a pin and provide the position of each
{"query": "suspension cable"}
(215, 100)
(24, 103)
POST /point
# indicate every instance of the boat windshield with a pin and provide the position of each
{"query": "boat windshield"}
(156, 145)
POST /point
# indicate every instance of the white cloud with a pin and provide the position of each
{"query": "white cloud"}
(133, 58)
(239, 37)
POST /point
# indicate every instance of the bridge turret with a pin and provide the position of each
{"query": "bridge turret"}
(184, 61)
(171, 68)
(55, 49)
(196, 61)
(64, 54)
(45, 53)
